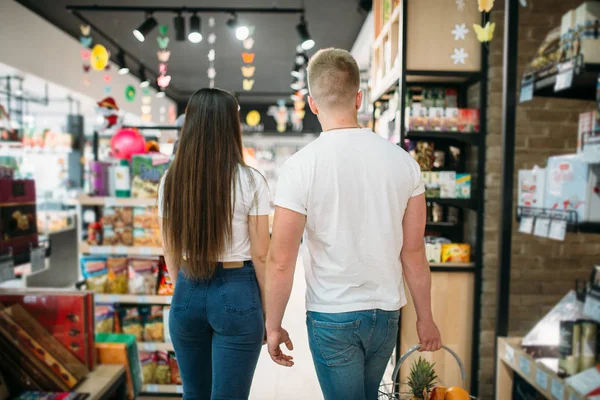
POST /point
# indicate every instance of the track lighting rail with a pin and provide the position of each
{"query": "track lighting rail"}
(150, 10)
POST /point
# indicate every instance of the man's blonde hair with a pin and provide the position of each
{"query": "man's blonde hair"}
(333, 78)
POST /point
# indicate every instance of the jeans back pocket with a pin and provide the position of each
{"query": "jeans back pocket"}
(184, 289)
(239, 292)
(336, 341)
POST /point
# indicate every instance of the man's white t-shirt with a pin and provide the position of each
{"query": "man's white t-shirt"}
(251, 198)
(353, 186)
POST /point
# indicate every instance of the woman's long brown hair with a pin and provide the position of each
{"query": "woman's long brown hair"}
(199, 188)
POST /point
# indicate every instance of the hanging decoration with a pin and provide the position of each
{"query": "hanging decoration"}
(164, 81)
(130, 93)
(280, 115)
(85, 30)
(460, 5)
(108, 108)
(248, 44)
(163, 56)
(107, 78)
(163, 29)
(248, 58)
(163, 42)
(460, 31)
(247, 84)
(146, 105)
(85, 54)
(253, 118)
(86, 42)
(248, 71)
(485, 34)
(459, 56)
(99, 57)
(211, 72)
(485, 5)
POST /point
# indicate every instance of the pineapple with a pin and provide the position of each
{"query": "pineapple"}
(422, 378)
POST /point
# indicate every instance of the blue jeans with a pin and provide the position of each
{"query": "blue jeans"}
(217, 329)
(351, 351)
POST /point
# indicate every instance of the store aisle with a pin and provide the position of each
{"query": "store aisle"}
(273, 382)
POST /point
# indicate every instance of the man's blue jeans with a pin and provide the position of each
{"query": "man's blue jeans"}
(217, 329)
(351, 351)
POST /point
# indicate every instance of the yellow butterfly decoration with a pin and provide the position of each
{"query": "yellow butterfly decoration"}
(485, 34)
(486, 5)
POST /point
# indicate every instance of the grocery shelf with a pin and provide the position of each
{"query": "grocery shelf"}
(86, 200)
(446, 77)
(460, 203)
(154, 346)
(131, 299)
(453, 264)
(175, 389)
(582, 84)
(470, 138)
(85, 248)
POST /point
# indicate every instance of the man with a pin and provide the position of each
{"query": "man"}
(361, 201)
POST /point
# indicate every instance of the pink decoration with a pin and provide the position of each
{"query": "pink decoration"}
(85, 54)
(163, 55)
(107, 78)
(164, 80)
(162, 68)
(126, 143)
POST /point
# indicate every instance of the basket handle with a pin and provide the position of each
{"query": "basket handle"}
(463, 373)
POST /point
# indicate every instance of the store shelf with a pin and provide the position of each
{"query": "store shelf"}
(85, 248)
(154, 346)
(86, 200)
(131, 299)
(388, 85)
(513, 359)
(174, 389)
(460, 203)
(470, 138)
(582, 87)
(445, 77)
(453, 264)
(570, 216)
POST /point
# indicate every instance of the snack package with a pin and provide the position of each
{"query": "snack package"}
(143, 275)
(148, 361)
(118, 217)
(117, 236)
(435, 119)
(456, 252)
(175, 377)
(105, 319)
(463, 186)
(165, 287)
(423, 154)
(118, 281)
(145, 217)
(154, 326)
(163, 368)
(147, 170)
(147, 237)
(94, 271)
(132, 324)
(451, 119)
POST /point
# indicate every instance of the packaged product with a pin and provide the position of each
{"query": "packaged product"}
(93, 269)
(423, 154)
(163, 368)
(148, 361)
(105, 319)
(589, 344)
(154, 326)
(175, 377)
(451, 120)
(118, 281)
(117, 236)
(456, 252)
(531, 187)
(448, 184)
(569, 347)
(433, 252)
(143, 275)
(147, 237)
(165, 287)
(417, 120)
(468, 120)
(145, 217)
(118, 217)
(167, 333)
(436, 119)
(147, 170)
(132, 323)
(463, 186)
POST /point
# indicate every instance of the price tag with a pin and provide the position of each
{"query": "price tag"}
(144, 299)
(113, 298)
(98, 249)
(524, 365)
(110, 201)
(510, 354)
(526, 225)
(541, 378)
(38, 259)
(151, 388)
(557, 389)
(145, 251)
(121, 250)
(558, 229)
(7, 265)
(179, 389)
(542, 227)
(564, 80)
(526, 91)
(150, 347)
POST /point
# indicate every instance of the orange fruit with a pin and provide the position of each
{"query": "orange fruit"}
(456, 393)
(438, 393)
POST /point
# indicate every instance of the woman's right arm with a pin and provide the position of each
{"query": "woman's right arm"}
(171, 267)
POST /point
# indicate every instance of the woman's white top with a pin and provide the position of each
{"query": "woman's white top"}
(251, 198)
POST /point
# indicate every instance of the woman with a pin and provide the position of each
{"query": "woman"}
(214, 219)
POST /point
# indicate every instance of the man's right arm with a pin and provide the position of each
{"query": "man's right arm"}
(416, 272)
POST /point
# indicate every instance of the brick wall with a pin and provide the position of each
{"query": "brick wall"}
(542, 270)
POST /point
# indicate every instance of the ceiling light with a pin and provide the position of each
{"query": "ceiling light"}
(305, 40)
(242, 32)
(144, 82)
(145, 28)
(179, 25)
(296, 72)
(303, 91)
(297, 85)
(121, 63)
(195, 36)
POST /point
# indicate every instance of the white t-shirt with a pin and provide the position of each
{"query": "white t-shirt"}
(353, 186)
(252, 198)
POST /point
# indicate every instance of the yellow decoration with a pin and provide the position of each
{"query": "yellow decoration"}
(248, 84)
(253, 118)
(486, 33)
(99, 57)
(486, 5)
(248, 71)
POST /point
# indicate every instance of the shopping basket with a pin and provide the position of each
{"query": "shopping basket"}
(393, 391)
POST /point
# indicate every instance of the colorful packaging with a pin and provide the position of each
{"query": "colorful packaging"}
(417, 120)
(448, 184)
(423, 154)
(165, 287)
(166, 332)
(148, 361)
(147, 237)
(463, 186)
(436, 117)
(456, 252)
(143, 275)
(163, 368)
(147, 171)
(117, 236)
(145, 217)
(95, 273)
(531, 189)
(468, 120)
(175, 377)
(132, 324)
(118, 281)
(105, 319)
(154, 326)
(118, 217)
(122, 349)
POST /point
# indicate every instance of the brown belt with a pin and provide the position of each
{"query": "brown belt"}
(233, 264)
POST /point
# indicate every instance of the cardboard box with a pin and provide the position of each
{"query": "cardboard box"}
(531, 187)
(468, 120)
(567, 23)
(463, 186)
(456, 252)
(448, 184)
(117, 236)
(586, 20)
(147, 171)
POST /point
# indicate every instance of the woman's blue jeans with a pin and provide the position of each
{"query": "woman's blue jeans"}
(217, 329)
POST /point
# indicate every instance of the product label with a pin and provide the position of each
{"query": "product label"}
(558, 230)
(99, 249)
(526, 91)
(510, 354)
(146, 251)
(121, 250)
(564, 79)
(541, 378)
(526, 225)
(524, 365)
(542, 227)
(557, 389)
(151, 388)
(592, 307)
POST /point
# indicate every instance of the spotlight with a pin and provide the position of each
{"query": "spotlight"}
(179, 24)
(145, 28)
(241, 31)
(305, 40)
(144, 82)
(121, 63)
(195, 36)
